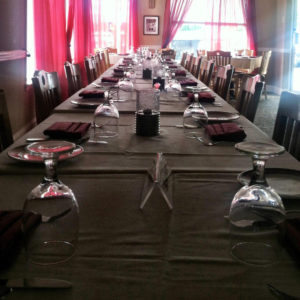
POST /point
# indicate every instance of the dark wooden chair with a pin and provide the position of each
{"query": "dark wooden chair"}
(106, 57)
(287, 123)
(90, 68)
(112, 50)
(189, 62)
(222, 85)
(206, 71)
(6, 137)
(73, 75)
(100, 63)
(221, 58)
(47, 93)
(183, 59)
(248, 102)
(196, 66)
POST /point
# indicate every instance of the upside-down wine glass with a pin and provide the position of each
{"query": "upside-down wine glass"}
(55, 238)
(256, 210)
(194, 117)
(105, 121)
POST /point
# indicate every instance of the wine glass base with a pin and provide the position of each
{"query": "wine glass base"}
(254, 253)
(50, 252)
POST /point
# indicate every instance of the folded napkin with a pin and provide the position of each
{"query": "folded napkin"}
(225, 132)
(92, 93)
(168, 59)
(14, 225)
(67, 130)
(203, 97)
(118, 70)
(172, 67)
(169, 63)
(292, 233)
(110, 79)
(118, 75)
(180, 73)
(188, 82)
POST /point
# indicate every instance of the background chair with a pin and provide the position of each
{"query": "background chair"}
(73, 76)
(183, 59)
(6, 137)
(247, 101)
(287, 123)
(112, 50)
(90, 68)
(263, 70)
(196, 66)
(106, 59)
(206, 70)
(222, 85)
(189, 62)
(47, 93)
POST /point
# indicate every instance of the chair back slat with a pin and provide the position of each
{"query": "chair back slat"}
(221, 86)
(265, 62)
(90, 68)
(287, 123)
(206, 74)
(248, 102)
(47, 93)
(73, 75)
(6, 137)
(183, 59)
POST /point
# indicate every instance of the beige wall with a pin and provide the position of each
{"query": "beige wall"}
(144, 10)
(12, 73)
(274, 33)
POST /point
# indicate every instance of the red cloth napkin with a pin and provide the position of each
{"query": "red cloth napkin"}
(172, 67)
(188, 82)
(180, 73)
(67, 130)
(92, 93)
(225, 132)
(118, 75)
(110, 79)
(118, 70)
(203, 97)
(14, 225)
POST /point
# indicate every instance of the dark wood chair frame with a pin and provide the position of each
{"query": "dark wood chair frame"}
(183, 59)
(247, 103)
(47, 93)
(221, 86)
(73, 75)
(287, 123)
(6, 137)
(206, 75)
(90, 68)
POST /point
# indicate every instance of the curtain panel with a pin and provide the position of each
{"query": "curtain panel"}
(50, 38)
(175, 12)
(133, 25)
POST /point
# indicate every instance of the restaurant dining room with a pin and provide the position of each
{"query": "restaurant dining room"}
(149, 149)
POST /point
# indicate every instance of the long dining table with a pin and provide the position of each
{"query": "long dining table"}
(125, 252)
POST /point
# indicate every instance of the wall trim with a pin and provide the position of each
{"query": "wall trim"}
(24, 129)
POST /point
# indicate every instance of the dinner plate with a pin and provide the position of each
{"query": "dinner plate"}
(221, 116)
(85, 102)
(20, 153)
(284, 181)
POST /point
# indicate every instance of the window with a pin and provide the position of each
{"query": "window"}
(212, 25)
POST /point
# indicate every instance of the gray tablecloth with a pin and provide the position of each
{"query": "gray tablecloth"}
(154, 253)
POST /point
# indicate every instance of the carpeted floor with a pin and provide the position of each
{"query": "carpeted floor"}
(266, 113)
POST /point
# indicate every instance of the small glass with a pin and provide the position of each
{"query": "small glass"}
(256, 211)
(105, 122)
(55, 239)
(194, 117)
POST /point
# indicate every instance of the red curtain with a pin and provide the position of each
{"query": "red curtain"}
(133, 25)
(84, 43)
(70, 26)
(50, 38)
(250, 17)
(112, 25)
(175, 12)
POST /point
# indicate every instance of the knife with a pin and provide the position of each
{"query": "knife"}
(6, 285)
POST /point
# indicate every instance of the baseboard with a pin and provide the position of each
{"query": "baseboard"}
(24, 129)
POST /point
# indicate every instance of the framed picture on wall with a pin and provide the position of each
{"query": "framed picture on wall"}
(151, 25)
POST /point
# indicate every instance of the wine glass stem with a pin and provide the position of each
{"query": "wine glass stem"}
(258, 174)
(51, 174)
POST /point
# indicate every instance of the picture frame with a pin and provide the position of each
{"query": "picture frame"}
(151, 25)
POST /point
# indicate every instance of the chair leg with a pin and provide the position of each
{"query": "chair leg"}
(265, 91)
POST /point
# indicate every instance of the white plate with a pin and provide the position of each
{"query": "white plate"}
(20, 153)
(85, 102)
(221, 116)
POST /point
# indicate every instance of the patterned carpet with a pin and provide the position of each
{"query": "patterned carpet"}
(266, 113)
